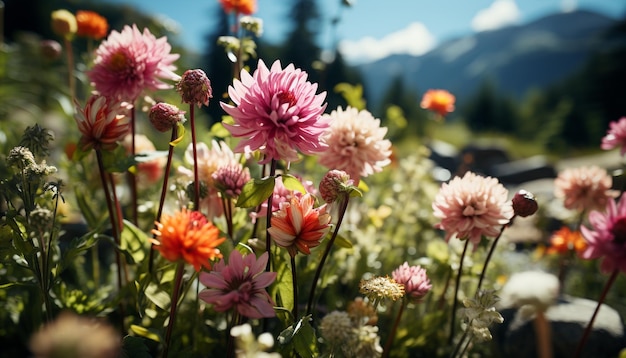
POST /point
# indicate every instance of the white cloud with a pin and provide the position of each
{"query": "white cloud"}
(569, 5)
(499, 14)
(413, 40)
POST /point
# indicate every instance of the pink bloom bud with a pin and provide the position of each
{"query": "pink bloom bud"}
(164, 116)
(524, 203)
(195, 87)
(334, 184)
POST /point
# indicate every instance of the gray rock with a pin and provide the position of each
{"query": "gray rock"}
(568, 318)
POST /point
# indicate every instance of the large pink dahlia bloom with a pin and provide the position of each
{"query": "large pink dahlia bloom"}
(102, 123)
(277, 112)
(607, 236)
(129, 62)
(240, 285)
(584, 188)
(356, 143)
(472, 206)
(615, 136)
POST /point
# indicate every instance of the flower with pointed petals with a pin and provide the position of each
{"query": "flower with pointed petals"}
(615, 136)
(438, 101)
(91, 24)
(102, 123)
(606, 237)
(240, 285)
(230, 179)
(472, 206)
(130, 61)
(247, 7)
(277, 112)
(188, 236)
(584, 188)
(565, 240)
(356, 143)
(297, 226)
(416, 282)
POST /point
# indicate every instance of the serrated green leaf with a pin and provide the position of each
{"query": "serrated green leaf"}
(145, 332)
(134, 347)
(292, 183)
(255, 192)
(343, 242)
(181, 134)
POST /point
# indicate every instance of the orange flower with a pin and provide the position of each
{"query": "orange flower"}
(91, 24)
(438, 101)
(246, 7)
(565, 240)
(189, 236)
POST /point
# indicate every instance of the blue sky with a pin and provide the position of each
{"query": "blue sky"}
(372, 29)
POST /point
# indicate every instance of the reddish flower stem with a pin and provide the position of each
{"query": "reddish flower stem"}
(131, 176)
(583, 339)
(342, 211)
(178, 280)
(268, 219)
(168, 166)
(196, 176)
(392, 334)
(491, 250)
(294, 282)
(456, 293)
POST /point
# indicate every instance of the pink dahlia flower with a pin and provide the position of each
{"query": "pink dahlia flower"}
(297, 226)
(277, 113)
(472, 206)
(416, 282)
(607, 236)
(129, 62)
(584, 188)
(615, 136)
(240, 285)
(356, 143)
(102, 123)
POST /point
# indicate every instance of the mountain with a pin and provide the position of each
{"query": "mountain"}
(514, 59)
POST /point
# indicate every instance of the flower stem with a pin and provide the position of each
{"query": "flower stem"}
(70, 68)
(268, 237)
(456, 293)
(196, 176)
(491, 250)
(294, 282)
(543, 335)
(458, 346)
(342, 211)
(132, 178)
(583, 339)
(178, 279)
(166, 176)
(392, 334)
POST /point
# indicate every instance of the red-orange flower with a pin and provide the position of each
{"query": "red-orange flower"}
(297, 226)
(102, 123)
(566, 240)
(91, 24)
(438, 101)
(246, 7)
(187, 235)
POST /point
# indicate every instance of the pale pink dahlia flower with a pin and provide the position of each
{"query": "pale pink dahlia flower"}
(356, 143)
(277, 112)
(102, 123)
(240, 285)
(607, 236)
(615, 136)
(298, 226)
(416, 282)
(129, 62)
(472, 206)
(584, 188)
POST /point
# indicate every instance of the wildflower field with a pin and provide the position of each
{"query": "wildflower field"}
(131, 226)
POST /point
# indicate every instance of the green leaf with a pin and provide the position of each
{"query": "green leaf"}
(301, 337)
(117, 161)
(181, 134)
(158, 296)
(255, 192)
(133, 241)
(343, 242)
(134, 347)
(282, 290)
(292, 183)
(85, 209)
(218, 130)
(145, 332)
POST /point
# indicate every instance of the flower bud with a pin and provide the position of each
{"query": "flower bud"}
(164, 116)
(524, 203)
(195, 87)
(334, 183)
(50, 49)
(64, 23)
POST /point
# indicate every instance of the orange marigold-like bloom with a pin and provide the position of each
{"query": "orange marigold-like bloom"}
(91, 24)
(438, 101)
(246, 7)
(565, 240)
(189, 236)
